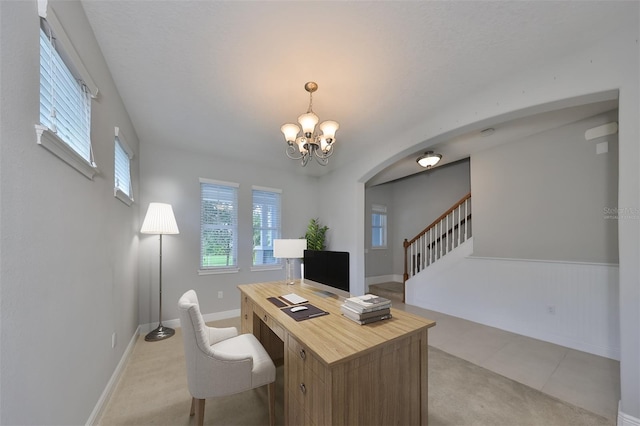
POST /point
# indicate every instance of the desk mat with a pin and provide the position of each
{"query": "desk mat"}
(310, 312)
(279, 303)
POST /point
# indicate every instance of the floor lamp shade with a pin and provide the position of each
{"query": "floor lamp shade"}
(289, 249)
(159, 220)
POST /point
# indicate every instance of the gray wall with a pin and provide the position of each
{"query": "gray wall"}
(69, 248)
(172, 176)
(379, 261)
(413, 203)
(544, 197)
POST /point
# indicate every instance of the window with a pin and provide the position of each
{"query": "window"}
(378, 226)
(218, 226)
(66, 90)
(266, 224)
(122, 169)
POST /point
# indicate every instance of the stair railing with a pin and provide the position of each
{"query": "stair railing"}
(444, 234)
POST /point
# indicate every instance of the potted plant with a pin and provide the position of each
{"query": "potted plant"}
(316, 235)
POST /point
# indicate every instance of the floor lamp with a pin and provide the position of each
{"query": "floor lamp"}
(289, 249)
(159, 220)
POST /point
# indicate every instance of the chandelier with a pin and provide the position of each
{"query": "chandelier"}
(313, 142)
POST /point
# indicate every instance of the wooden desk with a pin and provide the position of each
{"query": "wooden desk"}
(338, 372)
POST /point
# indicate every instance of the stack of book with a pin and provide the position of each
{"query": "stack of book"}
(366, 309)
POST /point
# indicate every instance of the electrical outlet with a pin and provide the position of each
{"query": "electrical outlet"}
(113, 340)
(220, 294)
(551, 309)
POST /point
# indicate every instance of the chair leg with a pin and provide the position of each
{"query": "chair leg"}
(199, 411)
(193, 407)
(271, 392)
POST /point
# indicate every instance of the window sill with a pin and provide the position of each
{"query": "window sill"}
(49, 140)
(122, 197)
(218, 271)
(379, 248)
(258, 268)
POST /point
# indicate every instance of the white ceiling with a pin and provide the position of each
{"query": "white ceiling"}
(221, 77)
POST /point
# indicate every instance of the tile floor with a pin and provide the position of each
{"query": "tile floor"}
(582, 379)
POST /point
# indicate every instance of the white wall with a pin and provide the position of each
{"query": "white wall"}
(544, 197)
(610, 64)
(516, 295)
(172, 176)
(69, 248)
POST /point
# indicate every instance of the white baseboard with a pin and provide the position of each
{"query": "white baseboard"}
(625, 419)
(383, 279)
(113, 381)
(175, 323)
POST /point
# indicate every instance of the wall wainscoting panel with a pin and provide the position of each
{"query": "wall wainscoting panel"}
(571, 304)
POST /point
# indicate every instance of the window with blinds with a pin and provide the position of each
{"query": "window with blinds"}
(378, 226)
(65, 100)
(218, 225)
(122, 169)
(266, 224)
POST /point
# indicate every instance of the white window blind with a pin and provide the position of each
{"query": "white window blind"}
(218, 225)
(65, 100)
(378, 226)
(266, 224)
(122, 168)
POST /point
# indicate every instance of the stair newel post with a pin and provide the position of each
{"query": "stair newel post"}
(406, 275)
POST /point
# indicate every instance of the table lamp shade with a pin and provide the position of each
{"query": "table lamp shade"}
(289, 249)
(159, 220)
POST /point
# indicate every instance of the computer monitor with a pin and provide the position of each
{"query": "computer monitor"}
(329, 268)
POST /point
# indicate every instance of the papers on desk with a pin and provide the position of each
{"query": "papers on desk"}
(294, 299)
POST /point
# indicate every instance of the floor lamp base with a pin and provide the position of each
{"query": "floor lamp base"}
(159, 333)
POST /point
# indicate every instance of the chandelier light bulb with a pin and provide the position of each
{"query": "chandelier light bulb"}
(329, 129)
(302, 141)
(290, 132)
(308, 122)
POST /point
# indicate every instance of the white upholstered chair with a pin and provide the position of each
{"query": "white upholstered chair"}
(220, 362)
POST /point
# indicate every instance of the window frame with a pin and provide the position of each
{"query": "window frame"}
(46, 137)
(277, 264)
(207, 270)
(379, 210)
(120, 140)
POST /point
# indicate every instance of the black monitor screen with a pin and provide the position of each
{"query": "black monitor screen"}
(327, 267)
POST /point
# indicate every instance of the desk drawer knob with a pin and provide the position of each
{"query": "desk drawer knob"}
(265, 318)
(303, 389)
(245, 316)
(303, 354)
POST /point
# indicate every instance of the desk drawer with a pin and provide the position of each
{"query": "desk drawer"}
(246, 314)
(269, 321)
(305, 383)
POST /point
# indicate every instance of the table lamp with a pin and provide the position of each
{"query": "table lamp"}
(289, 249)
(159, 220)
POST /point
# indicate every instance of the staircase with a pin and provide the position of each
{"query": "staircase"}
(444, 234)
(391, 290)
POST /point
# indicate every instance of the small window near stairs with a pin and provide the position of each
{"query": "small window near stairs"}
(378, 226)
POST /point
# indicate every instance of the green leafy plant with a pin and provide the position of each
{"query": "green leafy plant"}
(316, 235)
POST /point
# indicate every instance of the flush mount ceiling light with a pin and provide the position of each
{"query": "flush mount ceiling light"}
(429, 159)
(313, 142)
